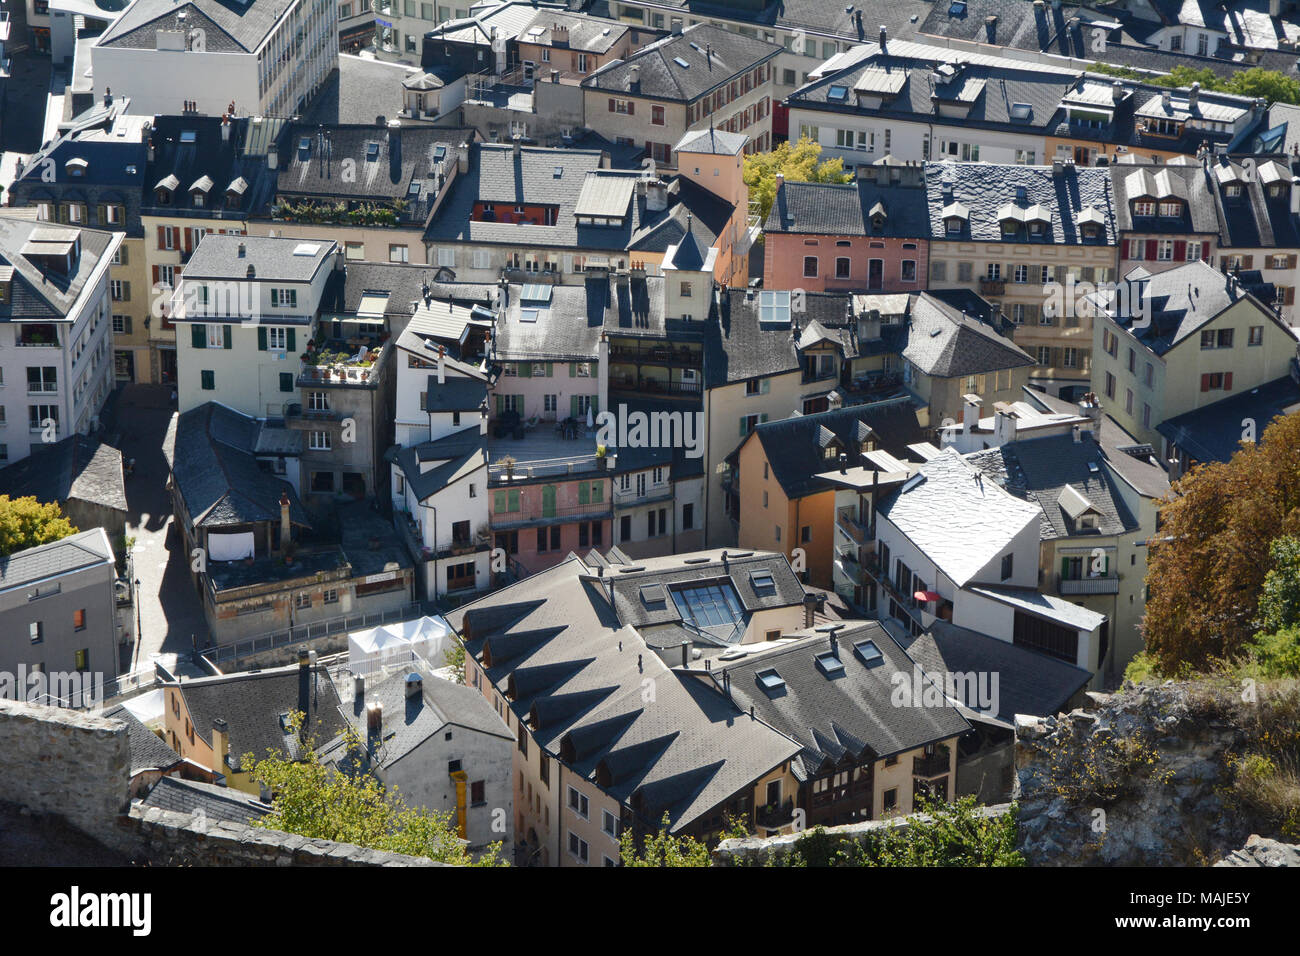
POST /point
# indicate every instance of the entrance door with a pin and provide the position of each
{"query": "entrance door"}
(167, 366)
(124, 366)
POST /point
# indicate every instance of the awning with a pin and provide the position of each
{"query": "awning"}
(927, 597)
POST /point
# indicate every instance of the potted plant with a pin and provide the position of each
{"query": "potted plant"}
(508, 463)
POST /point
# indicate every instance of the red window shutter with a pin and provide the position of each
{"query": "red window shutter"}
(162, 237)
(189, 236)
(1180, 250)
(156, 277)
(1248, 262)
(611, 104)
(631, 108)
(1290, 262)
(1151, 250)
(1205, 382)
(1289, 298)
(1205, 252)
(1123, 249)
(1227, 381)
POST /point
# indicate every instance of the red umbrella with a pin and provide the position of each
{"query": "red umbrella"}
(926, 597)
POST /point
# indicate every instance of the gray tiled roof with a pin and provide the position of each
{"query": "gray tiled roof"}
(1183, 299)
(224, 157)
(862, 22)
(1046, 606)
(77, 468)
(716, 142)
(37, 294)
(1039, 469)
(273, 257)
(844, 210)
(229, 27)
(794, 449)
(737, 346)
(252, 704)
(985, 188)
(944, 342)
(1028, 682)
(209, 449)
(713, 56)
(73, 553)
(223, 804)
(959, 523)
(567, 329)
(587, 33)
(1213, 432)
(458, 456)
(360, 91)
(579, 672)
(1199, 211)
(148, 750)
(853, 712)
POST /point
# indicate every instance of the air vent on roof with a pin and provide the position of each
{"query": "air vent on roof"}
(829, 664)
(770, 680)
(682, 63)
(696, 561)
(868, 652)
(653, 594)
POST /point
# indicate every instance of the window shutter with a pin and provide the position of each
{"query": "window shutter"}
(162, 240)
(573, 406)
(499, 502)
(1205, 382)
(225, 331)
(157, 275)
(611, 104)
(286, 381)
(584, 493)
(126, 290)
(123, 256)
(1247, 262)
(1151, 250)
(631, 108)
(1290, 260)
(595, 405)
(764, 386)
(126, 324)
(1123, 254)
(189, 241)
(199, 336)
(261, 338)
(1180, 250)
(514, 499)
(1065, 567)
(525, 369)
(501, 404)
(1289, 297)
(550, 369)
(1227, 381)
(742, 426)
(291, 340)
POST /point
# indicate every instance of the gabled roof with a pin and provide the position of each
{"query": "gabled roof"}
(229, 27)
(216, 804)
(210, 452)
(1180, 301)
(850, 712)
(74, 553)
(581, 677)
(946, 343)
(451, 457)
(77, 468)
(846, 209)
(39, 293)
(714, 142)
(959, 520)
(1188, 183)
(188, 148)
(148, 750)
(683, 67)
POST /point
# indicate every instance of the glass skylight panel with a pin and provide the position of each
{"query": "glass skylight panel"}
(829, 663)
(868, 652)
(709, 605)
(762, 581)
(372, 151)
(774, 307)
(769, 679)
(837, 93)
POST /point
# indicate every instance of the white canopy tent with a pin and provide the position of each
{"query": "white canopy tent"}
(402, 642)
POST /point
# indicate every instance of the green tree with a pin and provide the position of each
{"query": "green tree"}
(318, 801)
(1270, 85)
(26, 523)
(663, 849)
(1279, 605)
(454, 657)
(800, 162)
(1256, 82)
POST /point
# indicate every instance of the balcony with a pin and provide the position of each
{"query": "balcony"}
(866, 384)
(42, 335)
(657, 354)
(846, 519)
(354, 361)
(935, 765)
(650, 385)
(294, 412)
(1101, 584)
(993, 287)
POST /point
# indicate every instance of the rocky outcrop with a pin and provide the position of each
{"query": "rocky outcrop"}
(1261, 851)
(1142, 777)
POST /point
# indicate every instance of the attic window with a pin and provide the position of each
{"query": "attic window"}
(838, 93)
(304, 144)
(868, 653)
(762, 582)
(1021, 111)
(187, 136)
(682, 63)
(372, 152)
(528, 315)
(829, 663)
(557, 172)
(439, 153)
(306, 249)
(774, 307)
(770, 680)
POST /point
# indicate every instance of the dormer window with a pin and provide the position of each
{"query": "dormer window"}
(76, 168)
(1171, 210)
(1144, 207)
(1232, 190)
(1276, 190)
(953, 226)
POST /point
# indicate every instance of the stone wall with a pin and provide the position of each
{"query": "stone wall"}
(64, 762)
(65, 765)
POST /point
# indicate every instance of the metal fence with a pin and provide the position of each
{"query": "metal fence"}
(236, 651)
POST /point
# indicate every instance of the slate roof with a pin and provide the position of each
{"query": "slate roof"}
(1046, 606)
(662, 77)
(217, 804)
(986, 188)
(1255, 219)
(567, 660)
(76, 468)
(457, 456)
(852, 712)
(409, 722)
(586, 33)
(713, 142)
(1183, 299)
(737, 346)
(794, 447)
(229, 26)
(252, 704)
(37, 293)
(210, 452)
(862, 23)
(1038, 470)
(958, 522)
(224, 160)
(1213, 432)
(369, 540)
(403, 283)
(74, 553)
(708, 212)
(845, 209)
(1190, 183)
(1028, 682)
(273, 257)
(361, 90)
(567, 329)
(148, 750)
(1125, 457)
(945, 343)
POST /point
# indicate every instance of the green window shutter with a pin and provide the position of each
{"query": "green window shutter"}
(597, 492)
(525, 369)
(292, 340)
(501, 404)
(499, 504)
(286, 381)
(743, 420)
(573, 370)
(261, 338)
(225, 331)
(1065, 567)
(764, 386)
(762, 418)
(208, 380)
(595, 405)
(199, 336)
(584, 493)
(514, 499)
(573, 406)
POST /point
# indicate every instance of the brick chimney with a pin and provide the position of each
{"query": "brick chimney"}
(286, 532)
(220, 745)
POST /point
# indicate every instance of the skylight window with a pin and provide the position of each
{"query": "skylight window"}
(770, 680)
(838, 92)
(709, 605)
(762, 582)
(653, 594)
(829, 663)
(558, 172)
(868, 653)
(304, 144)
(306, 249)
(413, 190)
(439, 152)
(372, 151)
(188, 136)
(957, 9)
(774, 306)
(535, 292)
(528, 315)
(1021, 111)
(682, 63)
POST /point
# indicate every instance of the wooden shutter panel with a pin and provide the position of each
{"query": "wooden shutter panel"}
(501, 404)
(1205, 382)
(1227, 382)
(1123, 249)
(261, 338)
(1248, 262)
(189, 237)
(126, 290)
(584, 493)
(595, 405)
(573, 406)
(157, 275)
(611, 104)
(525, 369)
(1290, 262)
(1288, 297)
(1151, 252)
(225, 331)
(122, 253)
(1180, 250)
(631, 108)
(126, 324)
(499, 502)
(199, 336)
(162, 238)
(291, 340)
